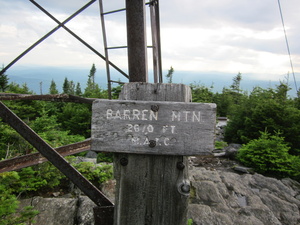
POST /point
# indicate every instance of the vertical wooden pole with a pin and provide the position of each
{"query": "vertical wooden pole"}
(152, 190)
(136, 40)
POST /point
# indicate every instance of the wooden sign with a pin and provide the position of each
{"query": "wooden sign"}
(160, 128)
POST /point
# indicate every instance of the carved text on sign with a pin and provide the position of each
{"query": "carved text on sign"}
(166, 127)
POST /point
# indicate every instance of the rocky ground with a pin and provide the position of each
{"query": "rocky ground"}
(214, 163)
(220, 195)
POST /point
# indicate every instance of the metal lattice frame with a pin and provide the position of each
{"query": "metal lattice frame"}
(61, 25)
(156, 44)
(104, 211)
(46, 150)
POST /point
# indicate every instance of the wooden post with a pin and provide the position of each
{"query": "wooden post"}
(152, 189)
(136, 40)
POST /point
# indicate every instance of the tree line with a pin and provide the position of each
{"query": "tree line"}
(249, 113)
(265, 121)
(58, 123)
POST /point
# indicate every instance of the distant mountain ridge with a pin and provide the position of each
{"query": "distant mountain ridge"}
(38, 78)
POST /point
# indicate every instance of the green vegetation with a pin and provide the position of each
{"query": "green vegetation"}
(276, 152)
(265, 121)
(269, 155)
(9, 203)
(220, 144)
(42, 179)
(105, 157)
(59, 124)
(169, 75)
(3, 82)
(190, 222)
(265, 109)
(96, 174)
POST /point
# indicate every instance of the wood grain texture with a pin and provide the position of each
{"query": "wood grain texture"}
(148, 189)
(136, 40)
(160, 128)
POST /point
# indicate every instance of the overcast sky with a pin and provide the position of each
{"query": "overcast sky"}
(198, 36)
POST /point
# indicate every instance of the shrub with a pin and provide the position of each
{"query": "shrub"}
(220, 144)
(269, 155)
(97, 174)
(190, 222)
(105, 157)
(9, 203)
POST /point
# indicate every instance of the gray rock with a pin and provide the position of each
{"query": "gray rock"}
(108, 189)
(220, 197)
(85, 159)
(231, 150)
(216, 198)
(53, 211)
(91, 154)
(58, 211)
(85, 215)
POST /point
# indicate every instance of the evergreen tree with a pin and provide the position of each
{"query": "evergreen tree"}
(265, 109)
(200, 93)
(281, 92)
(169, 75)
(66, 86)
(235, 87)
(76, 118)
(26, 110)
(92, 89)
(53, 89)
(78, 91)
(90, 85)
(269, 154)
(115, 91)
(3, 82)
(297, 100)
(92, 74)
(71, 88)
(16, 88)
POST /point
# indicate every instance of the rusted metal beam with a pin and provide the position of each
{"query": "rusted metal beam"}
(105, 49)
(61, 24)
(44, 37)
(78, 38)
(55, 98)
(36, 158)
(104, 215)
(54, 157)
(155, 27)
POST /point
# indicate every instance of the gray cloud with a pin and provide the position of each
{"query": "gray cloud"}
(229, 35)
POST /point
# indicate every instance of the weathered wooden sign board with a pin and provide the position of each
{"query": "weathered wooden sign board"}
(160, 128)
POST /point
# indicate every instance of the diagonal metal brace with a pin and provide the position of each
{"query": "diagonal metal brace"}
(77, 37)
(37, 158)
(52, 155)
(44, 37)
(61, 24)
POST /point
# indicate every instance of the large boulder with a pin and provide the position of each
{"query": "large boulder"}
(58, 211)
(219, 197)
(216, 197)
